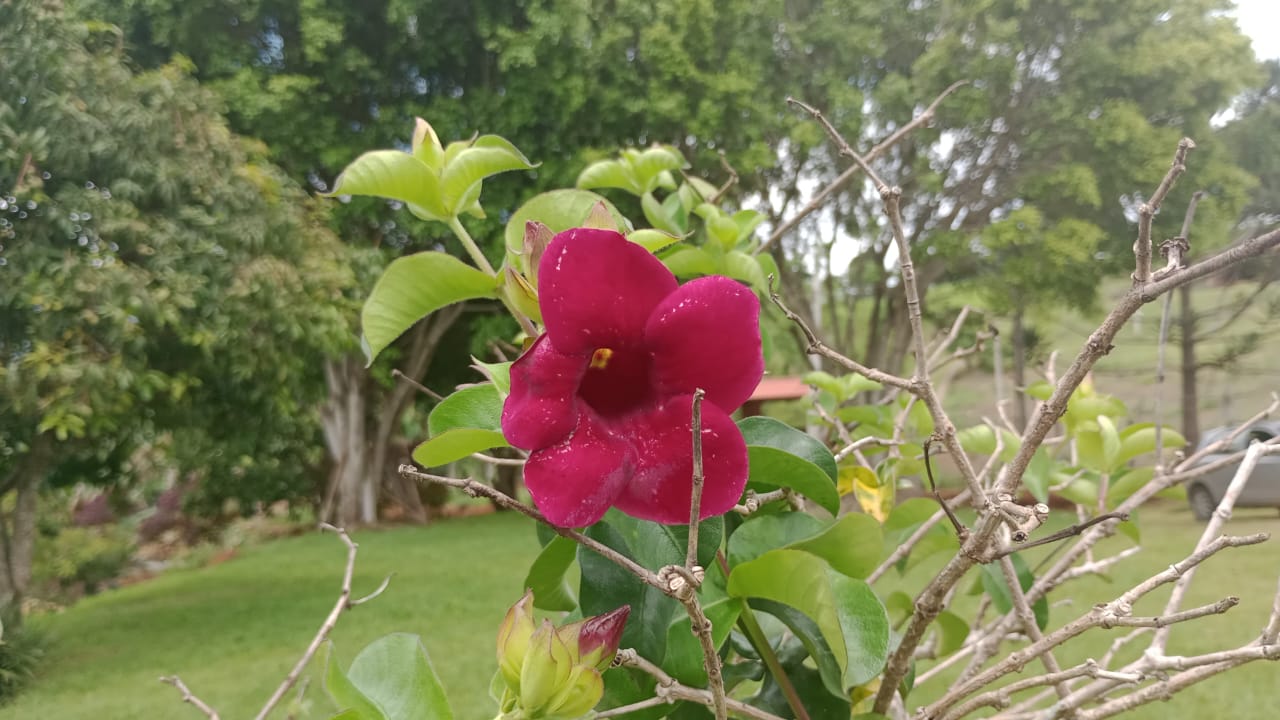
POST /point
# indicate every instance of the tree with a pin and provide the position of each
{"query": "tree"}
(163, 282)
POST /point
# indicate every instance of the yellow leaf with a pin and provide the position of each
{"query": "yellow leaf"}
(874, 496)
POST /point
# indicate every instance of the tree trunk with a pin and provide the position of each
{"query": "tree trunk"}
(1190, 392)
(359, 443)
(18, 529)
(1019, 369)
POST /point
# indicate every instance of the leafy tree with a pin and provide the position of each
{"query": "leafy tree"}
(162, 282)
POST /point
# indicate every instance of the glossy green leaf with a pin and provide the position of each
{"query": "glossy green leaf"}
(684, 659)
(724, 231)
(762, 533)
(848, 614)
(768, 432)
(394, 672)
(1081, 491)
(1110, 442)
(394, 175)
(487, 156)
(605, 587)
(413, 287)
(546, 577)
(810, 635)
(852, 545)
(354, 703)
(771, 468)
(1127, 483)
(652, 162)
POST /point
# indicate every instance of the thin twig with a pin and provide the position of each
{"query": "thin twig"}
(475, 489)
(668, 687)
(397, 374)
(188, 697)
(695, 502)
(1148, 210)
(1176, 260)
(344, 603)
(961, 531)
(838, 184)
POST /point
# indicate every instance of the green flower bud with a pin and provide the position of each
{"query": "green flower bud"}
(546, 670)
(580, 694)
(513, 640)
(536, 239)
(522, 295)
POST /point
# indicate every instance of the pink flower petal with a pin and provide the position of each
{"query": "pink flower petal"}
(575, 482)
(707, 335)
(662, 485)
(597, 289)
(542, 408)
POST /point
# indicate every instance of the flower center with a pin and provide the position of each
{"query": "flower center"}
(617, 381)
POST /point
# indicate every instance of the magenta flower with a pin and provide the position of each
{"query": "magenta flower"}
(604, 397)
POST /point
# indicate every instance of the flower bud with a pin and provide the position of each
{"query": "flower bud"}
(522, 295)
(600, 217)
(580, 694)
(546, 669)
(536, 239)
(599, 637)
(513, 640)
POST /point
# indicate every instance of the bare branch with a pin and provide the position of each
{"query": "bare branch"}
(1148, 210)
(344, 603)
(188, 697)
(670, 689)
(475, 489)
(695, 502)
(838, 184)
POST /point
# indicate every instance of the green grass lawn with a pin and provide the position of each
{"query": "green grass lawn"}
(233, 630)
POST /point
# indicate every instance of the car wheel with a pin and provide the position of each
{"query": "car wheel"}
(1202, 502)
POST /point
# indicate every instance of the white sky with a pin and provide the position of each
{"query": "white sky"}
(1260, 20)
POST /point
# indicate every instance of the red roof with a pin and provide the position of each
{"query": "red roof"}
(780, 388)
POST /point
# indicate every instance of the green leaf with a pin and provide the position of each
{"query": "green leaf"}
(394, 672)
(1140, 439)
(476, 406)
(652, 240)
(657, 215)
(981, 439)
(1039, 473)
(559, 210)
(346, 695)
(452, 445)
(772, 468)
(954, 630)
(653, 162)
(686, 262)
(724, 231)
(413, 287)
(684, 659)
(546, 576)
(852, 545)
(993, 582)
(487, 156)
(609, 174)
(810, 635)
(762, 533)
(741, 266)
(395, 175)
(1039, 390)
(468, 421)
(1081, 491)
(846, 611)
(1110, 442)
(1127, 483)
(606, 587)
(768, 432)
(747, 221)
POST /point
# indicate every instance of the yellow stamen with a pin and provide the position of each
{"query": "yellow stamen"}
(600, 358)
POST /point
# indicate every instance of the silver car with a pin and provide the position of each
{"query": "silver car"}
(1263, 488)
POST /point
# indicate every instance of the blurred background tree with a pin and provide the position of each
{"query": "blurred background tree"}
(162, 283)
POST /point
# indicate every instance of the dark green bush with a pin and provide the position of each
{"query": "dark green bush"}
(22, 648)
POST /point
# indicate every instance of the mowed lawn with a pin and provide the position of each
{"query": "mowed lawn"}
(233, 630)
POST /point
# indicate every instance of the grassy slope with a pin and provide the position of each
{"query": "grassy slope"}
(233, 630)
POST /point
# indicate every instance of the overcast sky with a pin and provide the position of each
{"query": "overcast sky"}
(1260, 20)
